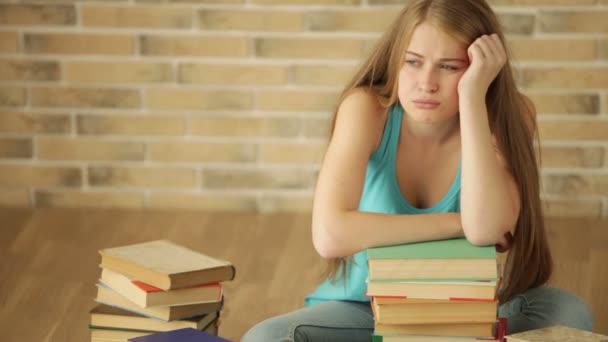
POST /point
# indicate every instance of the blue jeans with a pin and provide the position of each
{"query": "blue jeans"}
(336, 321)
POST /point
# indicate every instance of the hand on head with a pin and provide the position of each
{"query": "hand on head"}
(487, 56)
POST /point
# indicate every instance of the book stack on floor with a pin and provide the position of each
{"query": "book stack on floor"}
(436, 291)
(157, 286)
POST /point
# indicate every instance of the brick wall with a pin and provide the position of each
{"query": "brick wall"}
(224, 104)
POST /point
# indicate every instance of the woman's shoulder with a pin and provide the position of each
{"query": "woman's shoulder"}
(362, 114)
(364, 98)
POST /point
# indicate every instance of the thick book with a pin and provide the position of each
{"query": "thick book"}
(433, 311)
(112, 317)
(101, 334)
(434, 289)
(451, 329)
(166, 265)
(181, 335)
(146, 295)
(107, 296)
(556, 333)
(501, 330)
(440, 259)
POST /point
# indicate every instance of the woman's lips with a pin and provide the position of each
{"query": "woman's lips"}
(426, 104)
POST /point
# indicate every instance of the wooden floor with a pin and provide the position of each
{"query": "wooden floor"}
(50, 264)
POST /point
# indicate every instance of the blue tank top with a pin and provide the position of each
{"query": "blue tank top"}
(381, 194)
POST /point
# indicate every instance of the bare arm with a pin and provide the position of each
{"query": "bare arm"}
(338, 228)
(490, 200)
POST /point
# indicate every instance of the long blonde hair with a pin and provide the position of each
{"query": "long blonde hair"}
(529, 263)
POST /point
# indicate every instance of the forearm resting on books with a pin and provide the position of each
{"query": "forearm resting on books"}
(349, 232)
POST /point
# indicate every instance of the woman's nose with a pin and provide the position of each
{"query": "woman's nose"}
(428, 82)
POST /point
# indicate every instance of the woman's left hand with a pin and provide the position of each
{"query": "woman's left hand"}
(487, 56)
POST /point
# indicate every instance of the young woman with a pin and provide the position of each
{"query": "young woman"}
(431, 140)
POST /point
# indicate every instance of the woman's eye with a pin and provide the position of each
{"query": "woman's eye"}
(449, 67)
(411, 62)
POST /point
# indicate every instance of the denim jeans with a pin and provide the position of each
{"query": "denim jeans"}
(336, 321)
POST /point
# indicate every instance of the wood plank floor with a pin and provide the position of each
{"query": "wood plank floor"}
(50, 263)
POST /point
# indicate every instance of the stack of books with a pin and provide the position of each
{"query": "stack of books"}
(154, 287)
(441, 290)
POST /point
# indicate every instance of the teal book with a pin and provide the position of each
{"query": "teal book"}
(440, 260)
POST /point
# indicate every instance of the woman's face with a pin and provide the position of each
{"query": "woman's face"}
(428, 79)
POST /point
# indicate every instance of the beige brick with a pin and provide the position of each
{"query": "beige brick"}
(194, 1)
(317, 128)
(584, 157)
(565, 103)
(79, 44)
(573, 130)
(294, 100)
(130, 200)
(48, 14)
(517, 23)
(251, 20)
(369, 20)
(85, 97)
(399, 3)
(15, 197)
(540, 2)
(139, 16)
(576, 184)
(14, 122)
(194, 46)
(570, 78)
(11, 96)
(308, 48)
(118, 72)
(306, 2)
(28, 70)
(584, 21)
(285, 203)
(131, 125)
(330, 75)
(174, 98)
(245, 126)
(554, 49)
(602, 48)
(182, 151)
(142, 177)
(85, 149)
(233, 74)
(40, 176)
(9, 42)
(292, 153)
(256, 179)
(572, 208)
(16, 148)
(604, 105)
(215, 202)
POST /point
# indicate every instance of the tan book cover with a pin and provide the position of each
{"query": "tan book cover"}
(557, 333)
(109, 297)
(111, 317)
(429, 311)
(166, 265)
(146, 296)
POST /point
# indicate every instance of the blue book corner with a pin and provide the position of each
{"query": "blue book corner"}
(180, 335)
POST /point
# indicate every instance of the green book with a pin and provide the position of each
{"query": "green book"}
(440, 260)
(438, 249)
